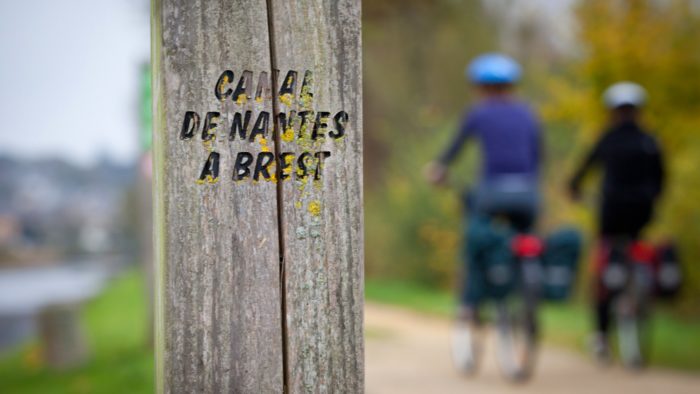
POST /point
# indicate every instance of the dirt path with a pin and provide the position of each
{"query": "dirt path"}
(409, 353)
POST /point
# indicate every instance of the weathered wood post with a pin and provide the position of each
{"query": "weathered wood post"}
(258, 195)
(62, 335)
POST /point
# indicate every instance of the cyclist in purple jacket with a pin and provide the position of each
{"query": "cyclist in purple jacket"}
(510, 138)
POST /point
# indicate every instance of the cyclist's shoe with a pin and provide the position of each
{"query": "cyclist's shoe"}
(601, 349)
(465, 349)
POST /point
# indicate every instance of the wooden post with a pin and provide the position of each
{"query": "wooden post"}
(258, 195)
(63, 339)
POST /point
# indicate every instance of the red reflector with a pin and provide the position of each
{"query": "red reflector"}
(527, 246)
(641, 252)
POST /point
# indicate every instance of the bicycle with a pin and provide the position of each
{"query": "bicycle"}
(514, 280)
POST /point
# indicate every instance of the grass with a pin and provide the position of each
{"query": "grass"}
(674, 342)
(120, 363)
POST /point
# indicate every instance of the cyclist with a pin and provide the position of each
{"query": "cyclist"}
(633, 178)
(510, 138)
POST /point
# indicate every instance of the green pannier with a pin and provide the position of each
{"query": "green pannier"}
(489, 247)
(560, 262)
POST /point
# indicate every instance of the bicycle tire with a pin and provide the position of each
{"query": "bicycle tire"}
(516, 329)
(465, 348)
(630, 344)
(631, 311)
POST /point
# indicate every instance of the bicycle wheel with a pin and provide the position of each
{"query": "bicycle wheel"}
(516, 329)
(630, 342)
(465, 348)
(631, 312)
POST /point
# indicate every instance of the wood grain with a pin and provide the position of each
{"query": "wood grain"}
(219, 323)
(322, 219)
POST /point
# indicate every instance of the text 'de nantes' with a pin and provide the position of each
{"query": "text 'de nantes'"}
(283, 143)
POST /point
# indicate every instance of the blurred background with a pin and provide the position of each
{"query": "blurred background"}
(75, 182)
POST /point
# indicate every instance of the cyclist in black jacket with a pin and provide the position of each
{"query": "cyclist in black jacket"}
(633, 178)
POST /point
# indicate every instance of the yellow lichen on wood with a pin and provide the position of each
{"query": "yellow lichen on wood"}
(273, 174)
(208, 179)
(288, 135)
(241, 99)
(314, 208)
(224, 82)
(208, 144)
(287, 169)
(286, 99)
(305, 97)
(263, 144)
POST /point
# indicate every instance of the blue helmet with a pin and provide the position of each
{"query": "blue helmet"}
(492, 69)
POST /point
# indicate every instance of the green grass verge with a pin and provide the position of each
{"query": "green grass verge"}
(674, 342)
(120, 363)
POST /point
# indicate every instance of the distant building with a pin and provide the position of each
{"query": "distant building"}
(53, 208)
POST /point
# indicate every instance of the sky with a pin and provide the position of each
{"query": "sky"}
(553, 18)
(69, 78)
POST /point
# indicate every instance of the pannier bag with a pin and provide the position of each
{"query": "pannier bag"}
(489, 246)
(560, 262)
(669, 276)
